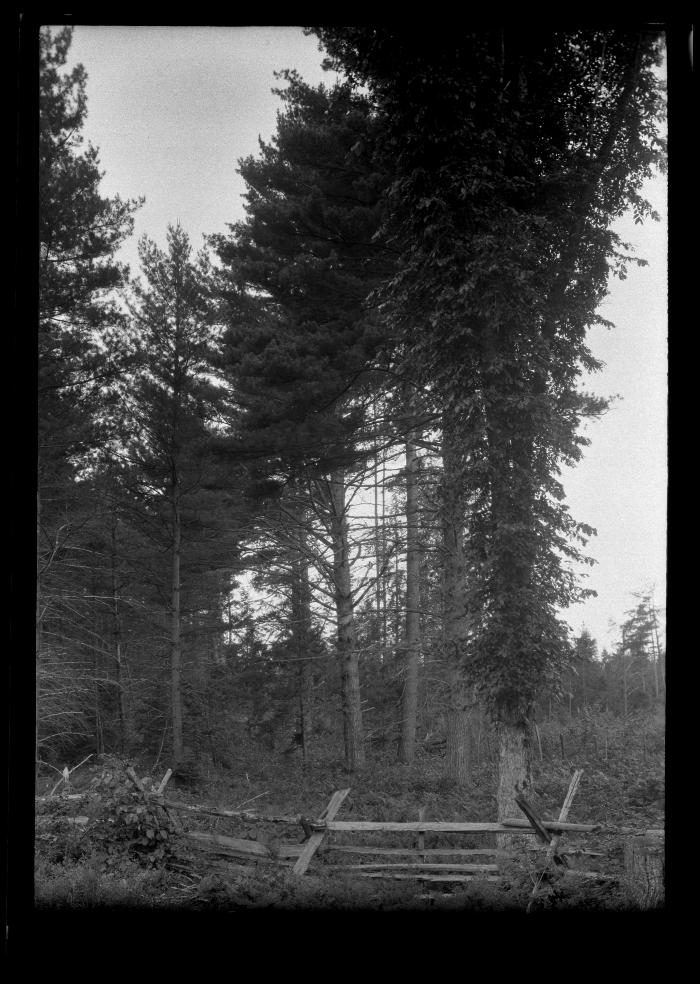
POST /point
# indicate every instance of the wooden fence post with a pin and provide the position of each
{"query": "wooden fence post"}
(316, 839)
(554, 842)
(421, 833)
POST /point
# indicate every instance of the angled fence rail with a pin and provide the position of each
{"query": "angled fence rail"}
(643, 849)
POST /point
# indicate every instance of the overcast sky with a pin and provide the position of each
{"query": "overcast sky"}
(172, 110)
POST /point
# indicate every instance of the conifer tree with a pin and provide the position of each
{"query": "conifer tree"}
(585, 655)
(79, 234)
(168, 412)
(298, 272)
(513, 152)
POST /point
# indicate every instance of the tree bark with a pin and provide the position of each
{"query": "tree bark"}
(99, 737)
(409, 699)
(38, 633)
(378, 556)
(301, 634)
(397, 602)
(644, 872)
(124, 723)
(454, 609)
(458, 744)
(657, 653)
(514, 776)
(384, 578)
(655, 667)
(175, 630)
(347, 650)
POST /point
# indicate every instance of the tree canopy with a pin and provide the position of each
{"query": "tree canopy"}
(512, 152)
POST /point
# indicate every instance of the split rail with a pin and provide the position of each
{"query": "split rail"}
(415, 862)
(324, 835)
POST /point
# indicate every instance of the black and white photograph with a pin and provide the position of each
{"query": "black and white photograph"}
(351, 470)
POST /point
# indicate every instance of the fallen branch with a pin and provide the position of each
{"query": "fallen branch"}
(239, 805)
(70, 796)
(211, 811)
(74, 821)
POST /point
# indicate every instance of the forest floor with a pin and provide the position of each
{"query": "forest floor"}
(620, 790)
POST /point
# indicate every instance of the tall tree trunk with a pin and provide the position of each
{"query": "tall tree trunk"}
(347, 650)
(514, 776)
(657, 654)
(409, 699)
(38, 632)
(385, 576)
(176, 630)
(378, 558)
(124, 724)
(99, 737)
(454, 608)
(397, 602)
(512, 450)
(301, 634)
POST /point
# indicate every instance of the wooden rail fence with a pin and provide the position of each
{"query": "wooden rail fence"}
(423, 863)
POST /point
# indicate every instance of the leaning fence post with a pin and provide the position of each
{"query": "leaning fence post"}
(315, 841)
(164, 782)
(131, 773)
(554, 842)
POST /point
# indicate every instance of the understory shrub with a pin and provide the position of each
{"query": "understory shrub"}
(127, 822)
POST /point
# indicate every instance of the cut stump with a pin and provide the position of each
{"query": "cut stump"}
(644, 872)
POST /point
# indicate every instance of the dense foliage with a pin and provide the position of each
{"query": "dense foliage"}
(295, 279)
(512, 153)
